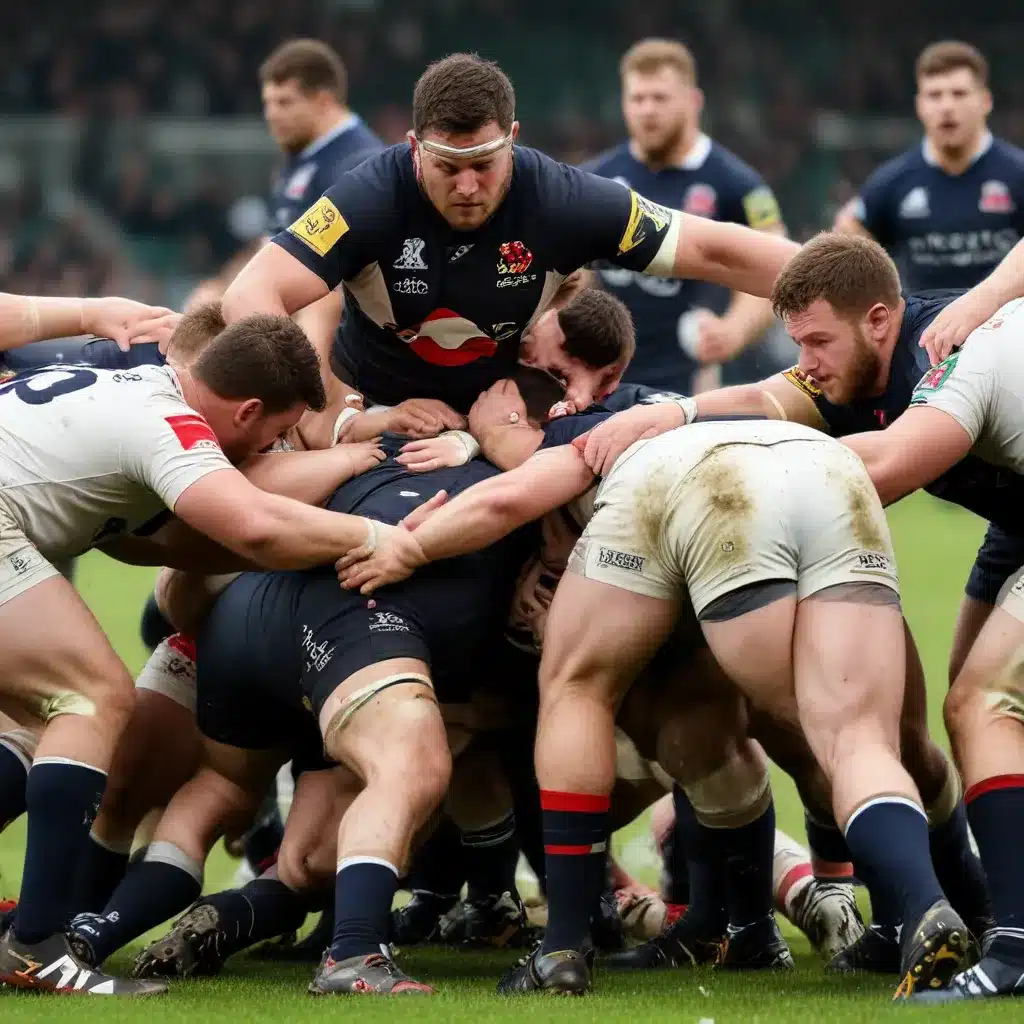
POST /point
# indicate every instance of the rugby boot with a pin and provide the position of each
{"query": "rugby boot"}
(565, 972)
(877, 951)
(938, 948)
(991, 978)
(495, 922)
(57, 964)
(607, 932)
(196, 946)
(368, 974)
(681, 944)
(758, 946)
(826, 912)
(420, 919)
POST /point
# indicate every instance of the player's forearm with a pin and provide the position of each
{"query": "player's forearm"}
(740, 258)
(250, 293)
(28, 318)
(472, 521)
(1006, 282)
(751, 315)
(881, 460)
(740, 400)
(310, 477)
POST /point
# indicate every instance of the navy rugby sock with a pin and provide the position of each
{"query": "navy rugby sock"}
(888, 837)
(958, 868)
(14, 766)
(995, 808)
(575, 849)
(263, 909)
(491, 855)
(438, 865)
(750, 858)
(99, 873)
(364, 888)
(706, 869)
(153, 890)
(62, 799)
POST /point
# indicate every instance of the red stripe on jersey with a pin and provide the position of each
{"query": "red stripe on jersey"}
(191, 430)
(184, 645)
(584, 803)
(565, 850)
(996, 782)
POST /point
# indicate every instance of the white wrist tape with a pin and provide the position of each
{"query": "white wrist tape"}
(689, 407)
(343, 417)
(467, 440)
(371, 534)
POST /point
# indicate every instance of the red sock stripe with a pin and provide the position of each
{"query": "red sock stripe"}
(790, 879)
(996, 782)
(574, 850)
(831, 869)
(183, 644)
(584, 803)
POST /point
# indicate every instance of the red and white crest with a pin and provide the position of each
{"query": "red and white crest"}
(447, 339)
(996, 198)
(701, 200)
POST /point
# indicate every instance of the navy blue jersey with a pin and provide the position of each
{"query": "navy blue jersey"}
(82, 349)
(567, 428)
(945, 231)
(438, 313)
(712, 182)
(308, 175)
(994, 494)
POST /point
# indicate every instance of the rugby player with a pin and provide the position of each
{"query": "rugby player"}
(448, 245)
(89, 457)
(774, 535)
(681, 324)
(873, 367)
(950, 208)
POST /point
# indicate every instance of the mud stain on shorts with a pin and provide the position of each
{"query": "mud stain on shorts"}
(730, 509)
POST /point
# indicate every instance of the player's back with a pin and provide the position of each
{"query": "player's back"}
(81, 450)
(945, 230)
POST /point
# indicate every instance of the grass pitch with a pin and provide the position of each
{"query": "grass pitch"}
(935, 545)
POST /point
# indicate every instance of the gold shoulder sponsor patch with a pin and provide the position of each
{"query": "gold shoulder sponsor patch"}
(645, 218)
(320, 227)
(806, 384)
(761, 208)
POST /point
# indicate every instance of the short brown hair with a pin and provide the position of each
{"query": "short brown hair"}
(598, 329)
(195, 330)
(651, 55)
(951, 55)
(266, 357)
(849, 272)
(311, 63)
(462, 93)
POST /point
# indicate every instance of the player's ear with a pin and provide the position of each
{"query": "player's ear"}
(248, 413)
(878, 319)
(698, 100)
(515, 131)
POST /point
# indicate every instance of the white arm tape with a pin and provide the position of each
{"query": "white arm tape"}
(343, 417)
(371, 534)
(468, 441)
(689, 407)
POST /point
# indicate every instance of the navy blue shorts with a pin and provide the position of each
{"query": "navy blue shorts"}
(1001, 554)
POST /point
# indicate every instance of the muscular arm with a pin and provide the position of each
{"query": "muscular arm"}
(911, 452)
(273, 281)
(490, 510)
(756, 400)
(310, 477)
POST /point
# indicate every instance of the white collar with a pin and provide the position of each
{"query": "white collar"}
(931, 158)
(344, 125)
(693, 161)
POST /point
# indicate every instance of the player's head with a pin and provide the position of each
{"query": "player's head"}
(304, 88)
(953, 99)
(254, 381)
(661, 103)
(198, 326)
(463, 112)
(839, 298)
(587, 344)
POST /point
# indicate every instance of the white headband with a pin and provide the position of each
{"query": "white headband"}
(465, 152)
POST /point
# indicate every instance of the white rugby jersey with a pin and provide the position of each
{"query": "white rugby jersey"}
(87, 454)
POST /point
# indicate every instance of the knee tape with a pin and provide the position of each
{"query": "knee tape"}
(737, 793)
(65, 703)
(629, 765)
(941, 808)
(361, 697)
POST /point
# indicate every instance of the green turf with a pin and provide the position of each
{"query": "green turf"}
(935, 545)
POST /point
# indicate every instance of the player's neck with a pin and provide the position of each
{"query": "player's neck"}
(675, 156)
(889, 347)
(954, 161)
(329, 125)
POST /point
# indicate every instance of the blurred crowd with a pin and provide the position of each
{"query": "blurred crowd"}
(768, 70)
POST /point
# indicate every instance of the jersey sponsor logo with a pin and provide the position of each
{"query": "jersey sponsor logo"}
(505, 329)
(934, 379)
(410, 286)
(321, 227)
(299, 182)
(318, 657)
(701, 200)
(873, 561)
(459, 253)
(447, 339)
(961, 248)
(645, 218)
(22, 562)
(388, 622)
(996, 198)
(412, 255)
(621, 560)
(761, 208)
(192, 431)
(513, 258)
(915, 203)
(805, 383)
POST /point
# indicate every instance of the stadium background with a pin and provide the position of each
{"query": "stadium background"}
(133, 160)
